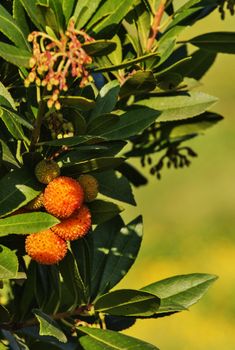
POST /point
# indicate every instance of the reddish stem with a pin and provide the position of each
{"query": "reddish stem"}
(155, 25)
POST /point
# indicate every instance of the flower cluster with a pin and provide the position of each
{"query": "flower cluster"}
(54, 61)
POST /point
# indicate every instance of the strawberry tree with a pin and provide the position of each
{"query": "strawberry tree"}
(86, 86)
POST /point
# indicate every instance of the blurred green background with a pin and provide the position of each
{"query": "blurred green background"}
(189, 223)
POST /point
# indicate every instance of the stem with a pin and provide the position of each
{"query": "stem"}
(36, 132)
(155, 25)
(34, 321)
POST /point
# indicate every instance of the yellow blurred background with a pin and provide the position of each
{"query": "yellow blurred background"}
(189, 223)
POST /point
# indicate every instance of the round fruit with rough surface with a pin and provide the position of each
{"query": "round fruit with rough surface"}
(46, 171)
(45, 247)
(76, 226)
(63, 196)
(90, 186)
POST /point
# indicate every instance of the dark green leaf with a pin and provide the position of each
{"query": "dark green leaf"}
(83, 255)
(8, 263)
(128, 124)
(216, 42)
(115, 186)
(9, 27)
(73, 282)
(127, 63)
(49, 327)
(181, 106)
(79, 102)
(198, 65)
(15, 116)
(128, 302)
(132, 174)
(116, 246)
(4, 313)
(14, 55)
(34, 13)
(69, 141)
(184, 290)
(102, 211)
(99, 47)
(11, 122)
(27, 223)
(100, 339)
(97, 164)
(109, 25)
(4, 93)
(188, 13)
(106, 100)
(21, 188)
(84, 11)
(138, 83)
(19, 16)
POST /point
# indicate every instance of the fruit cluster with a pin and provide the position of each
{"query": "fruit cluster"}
(63, 197)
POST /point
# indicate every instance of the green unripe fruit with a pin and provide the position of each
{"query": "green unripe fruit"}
(90, 186)
(46, 171)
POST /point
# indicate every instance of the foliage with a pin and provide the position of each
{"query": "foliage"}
(90, 85)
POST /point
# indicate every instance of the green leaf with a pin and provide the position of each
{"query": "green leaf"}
(115, 186)
(83, 255)
(15, 55)
(96, 164)
(68, 141)
(116, 247)
(11, 121)
(79, 102)
(102, 211)
(87, 152)
(198, 65)
(48, 326)
(73, 282)
(109, 25)
(7, 156)
(68, 6)
(128, 302)
(100, 339)
(116, 56)
(99, 47)
(138, 83)
(27, 223)
(20, 18)
(166, 45)
(34, 13)
(8, 263)
(128, 124)
(195, 125)
(184, 290)
(84, 11)
(106, 100)
(7, 96)
(15, 116)
(127, 63)
(181, 106)
(21, 188)
(9, 27)
(187, 14)
(216, 42)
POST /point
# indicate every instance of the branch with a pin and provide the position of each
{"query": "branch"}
(14, 326)
(155, 25)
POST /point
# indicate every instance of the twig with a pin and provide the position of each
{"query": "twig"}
(13, 326)
(155, 25)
